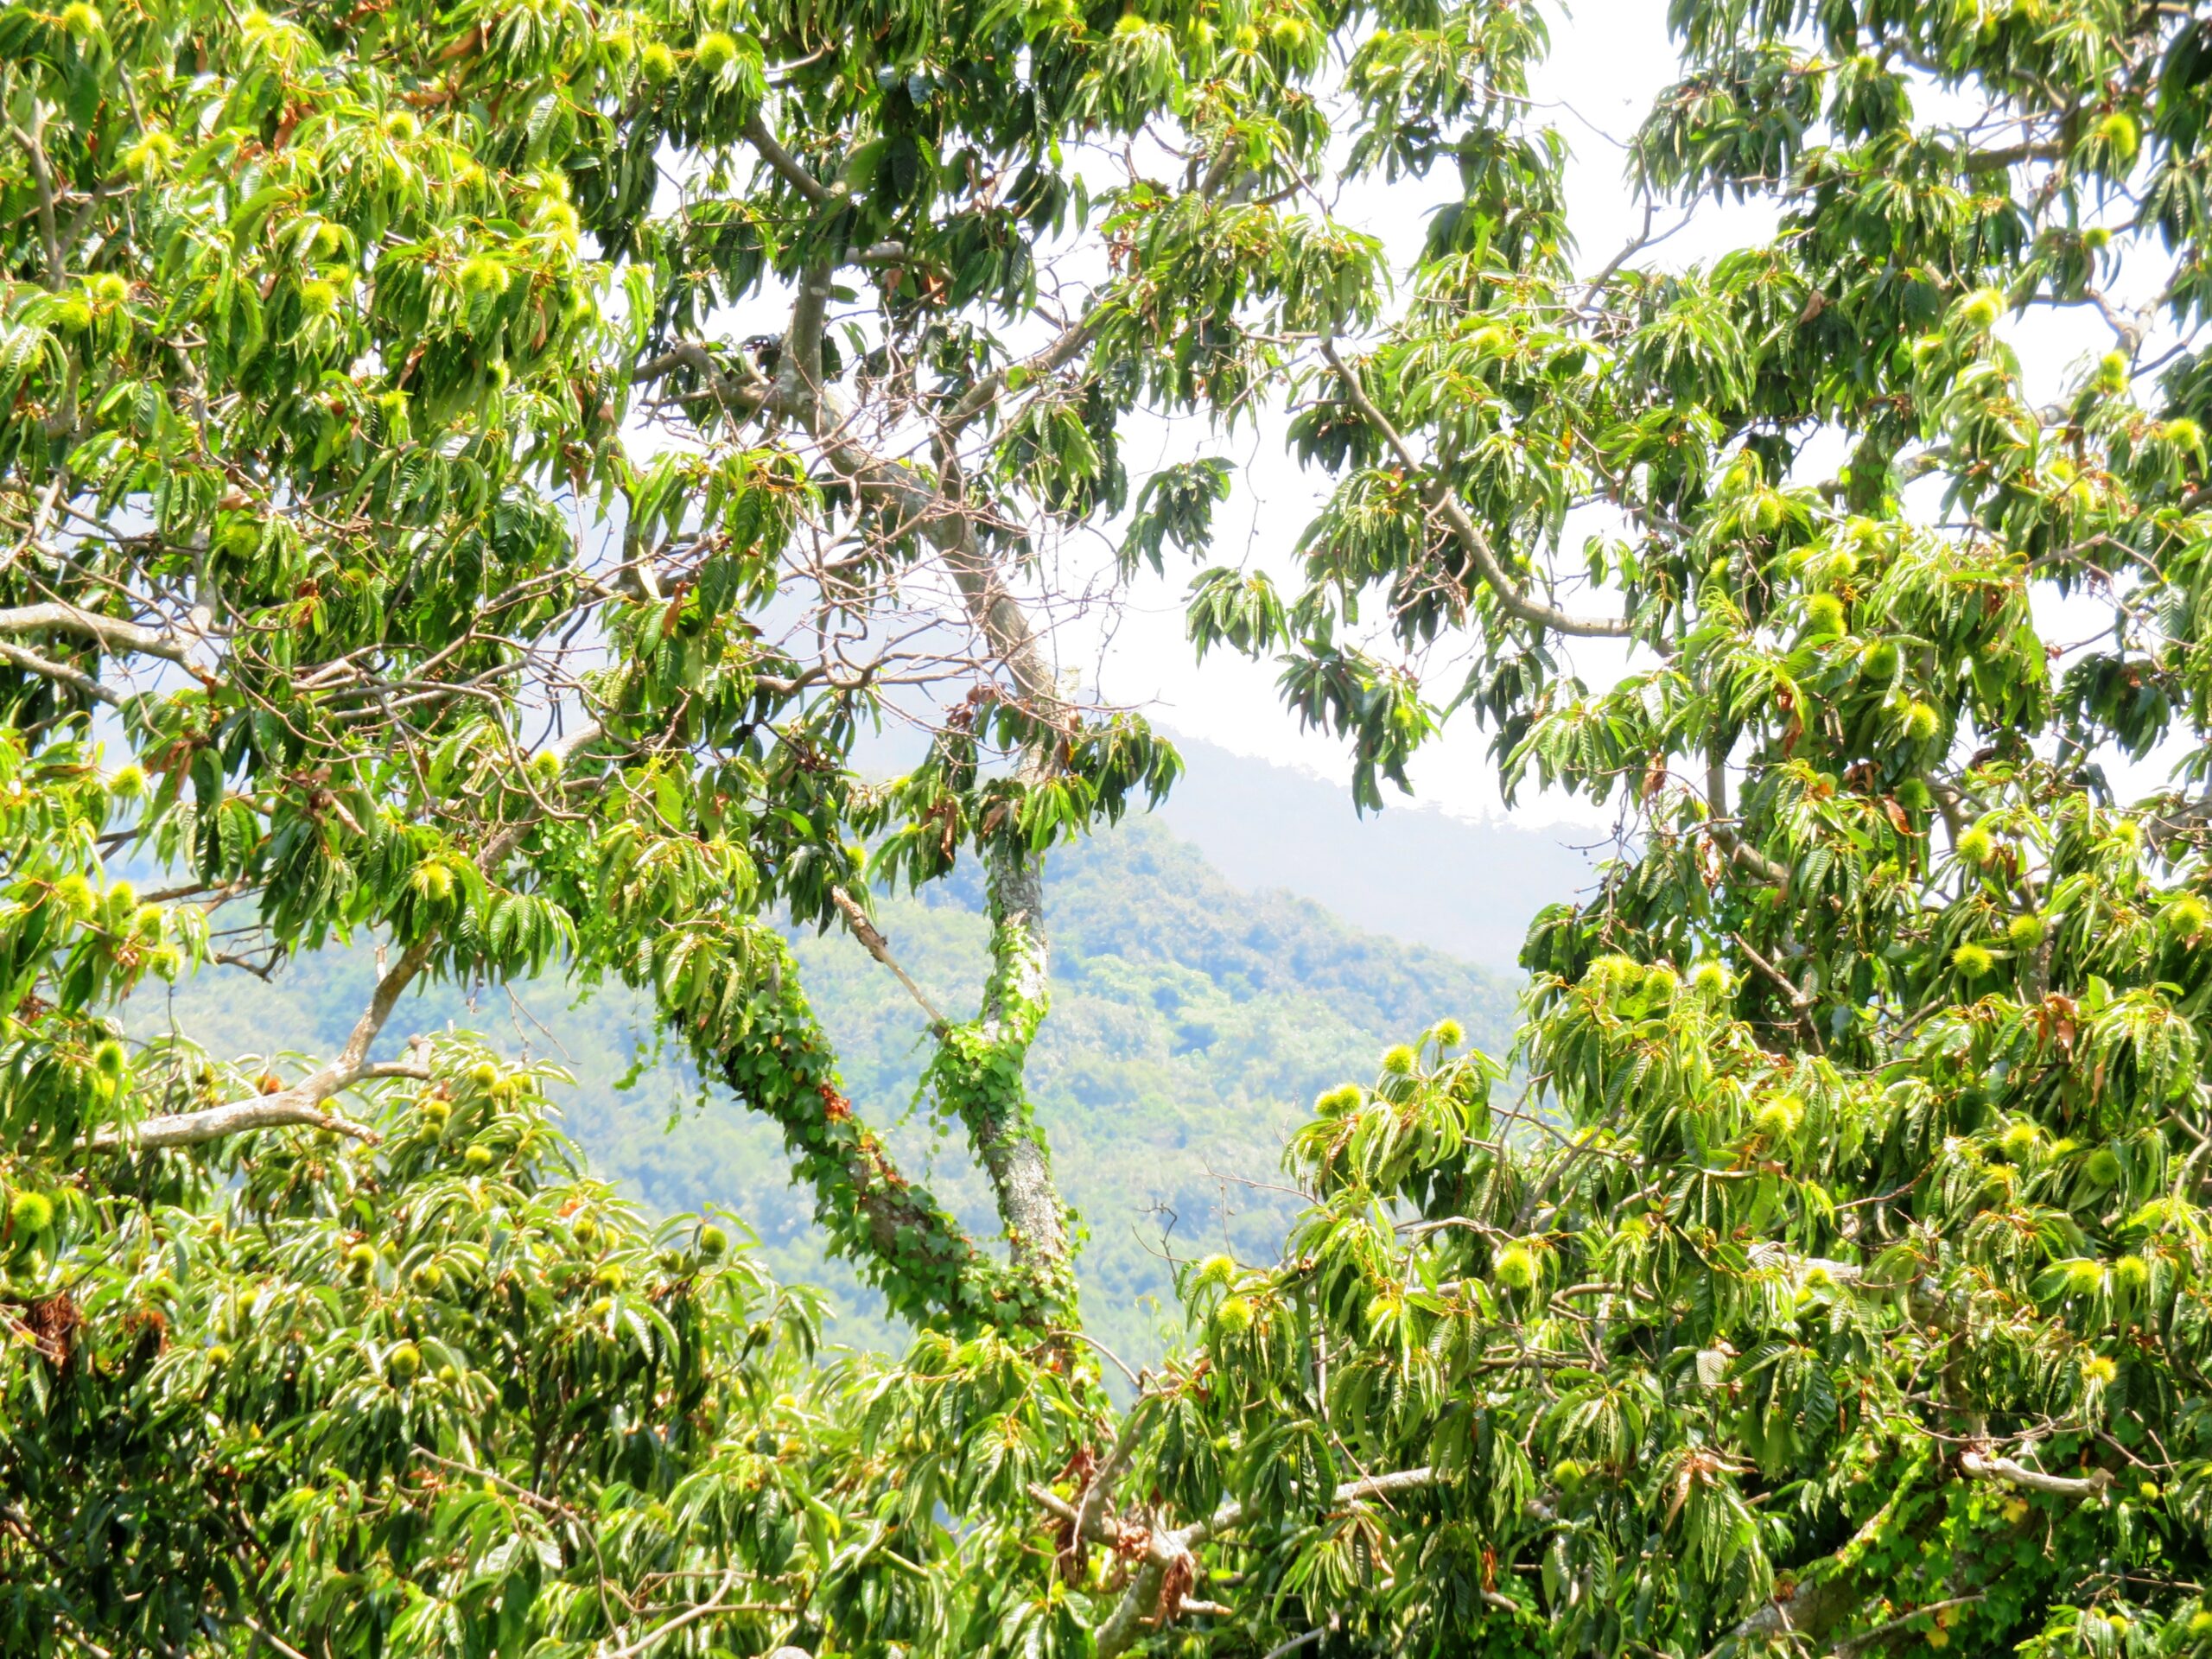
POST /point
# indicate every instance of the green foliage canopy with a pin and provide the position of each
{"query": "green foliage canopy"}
(1839, 1277)
(405, 540)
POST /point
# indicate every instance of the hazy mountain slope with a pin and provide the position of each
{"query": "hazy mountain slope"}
(1191, 1025)
(1410, 871)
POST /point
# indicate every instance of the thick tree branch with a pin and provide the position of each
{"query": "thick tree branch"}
(1997, 161)
(799, 376)
(1808, 1612)
(1005, 1141)
(1511, 595)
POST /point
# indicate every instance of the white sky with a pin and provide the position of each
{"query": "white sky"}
(1608, 60)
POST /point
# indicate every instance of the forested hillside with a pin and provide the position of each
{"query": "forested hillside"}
(1192, 1024)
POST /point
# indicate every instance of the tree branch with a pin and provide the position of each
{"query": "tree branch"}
(1739, 850)
(302, 1103)
(31, 663)
(1005, 1141)
(876, 946)
(1164, 1548)
(1809, 1611)
(1851, 1644)
(1511, 595)
(1996, 161)
(33, 145)
(1981, 1466)
(706, 1609)
(1063, 351)
(1611, 267)
(786, 165)
(1351, 1491)
(113, 633)
(739, 400)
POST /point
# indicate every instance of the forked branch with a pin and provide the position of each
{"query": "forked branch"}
(302, 1104)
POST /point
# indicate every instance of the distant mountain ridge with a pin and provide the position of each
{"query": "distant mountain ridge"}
(1411, 871)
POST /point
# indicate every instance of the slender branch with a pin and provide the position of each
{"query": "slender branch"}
(786, 165)
(36, 529)
(1062, 352)
(739, 400)
(1514, 598)
(1796, 998)
(496, 849)
(1053, 1503)
(1123, 1365)
(1800, 1003)
(290, 1108)
(876, 946)
(706, 1609)
(799, 380)
(268, 1637)
(1351, 1491)
(1611, 267)
(33, 145)
(302, 1103)
(1723, 834)
(1851, 1644)
(1164, 1548)
(538, 1501)
(1079, 334)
